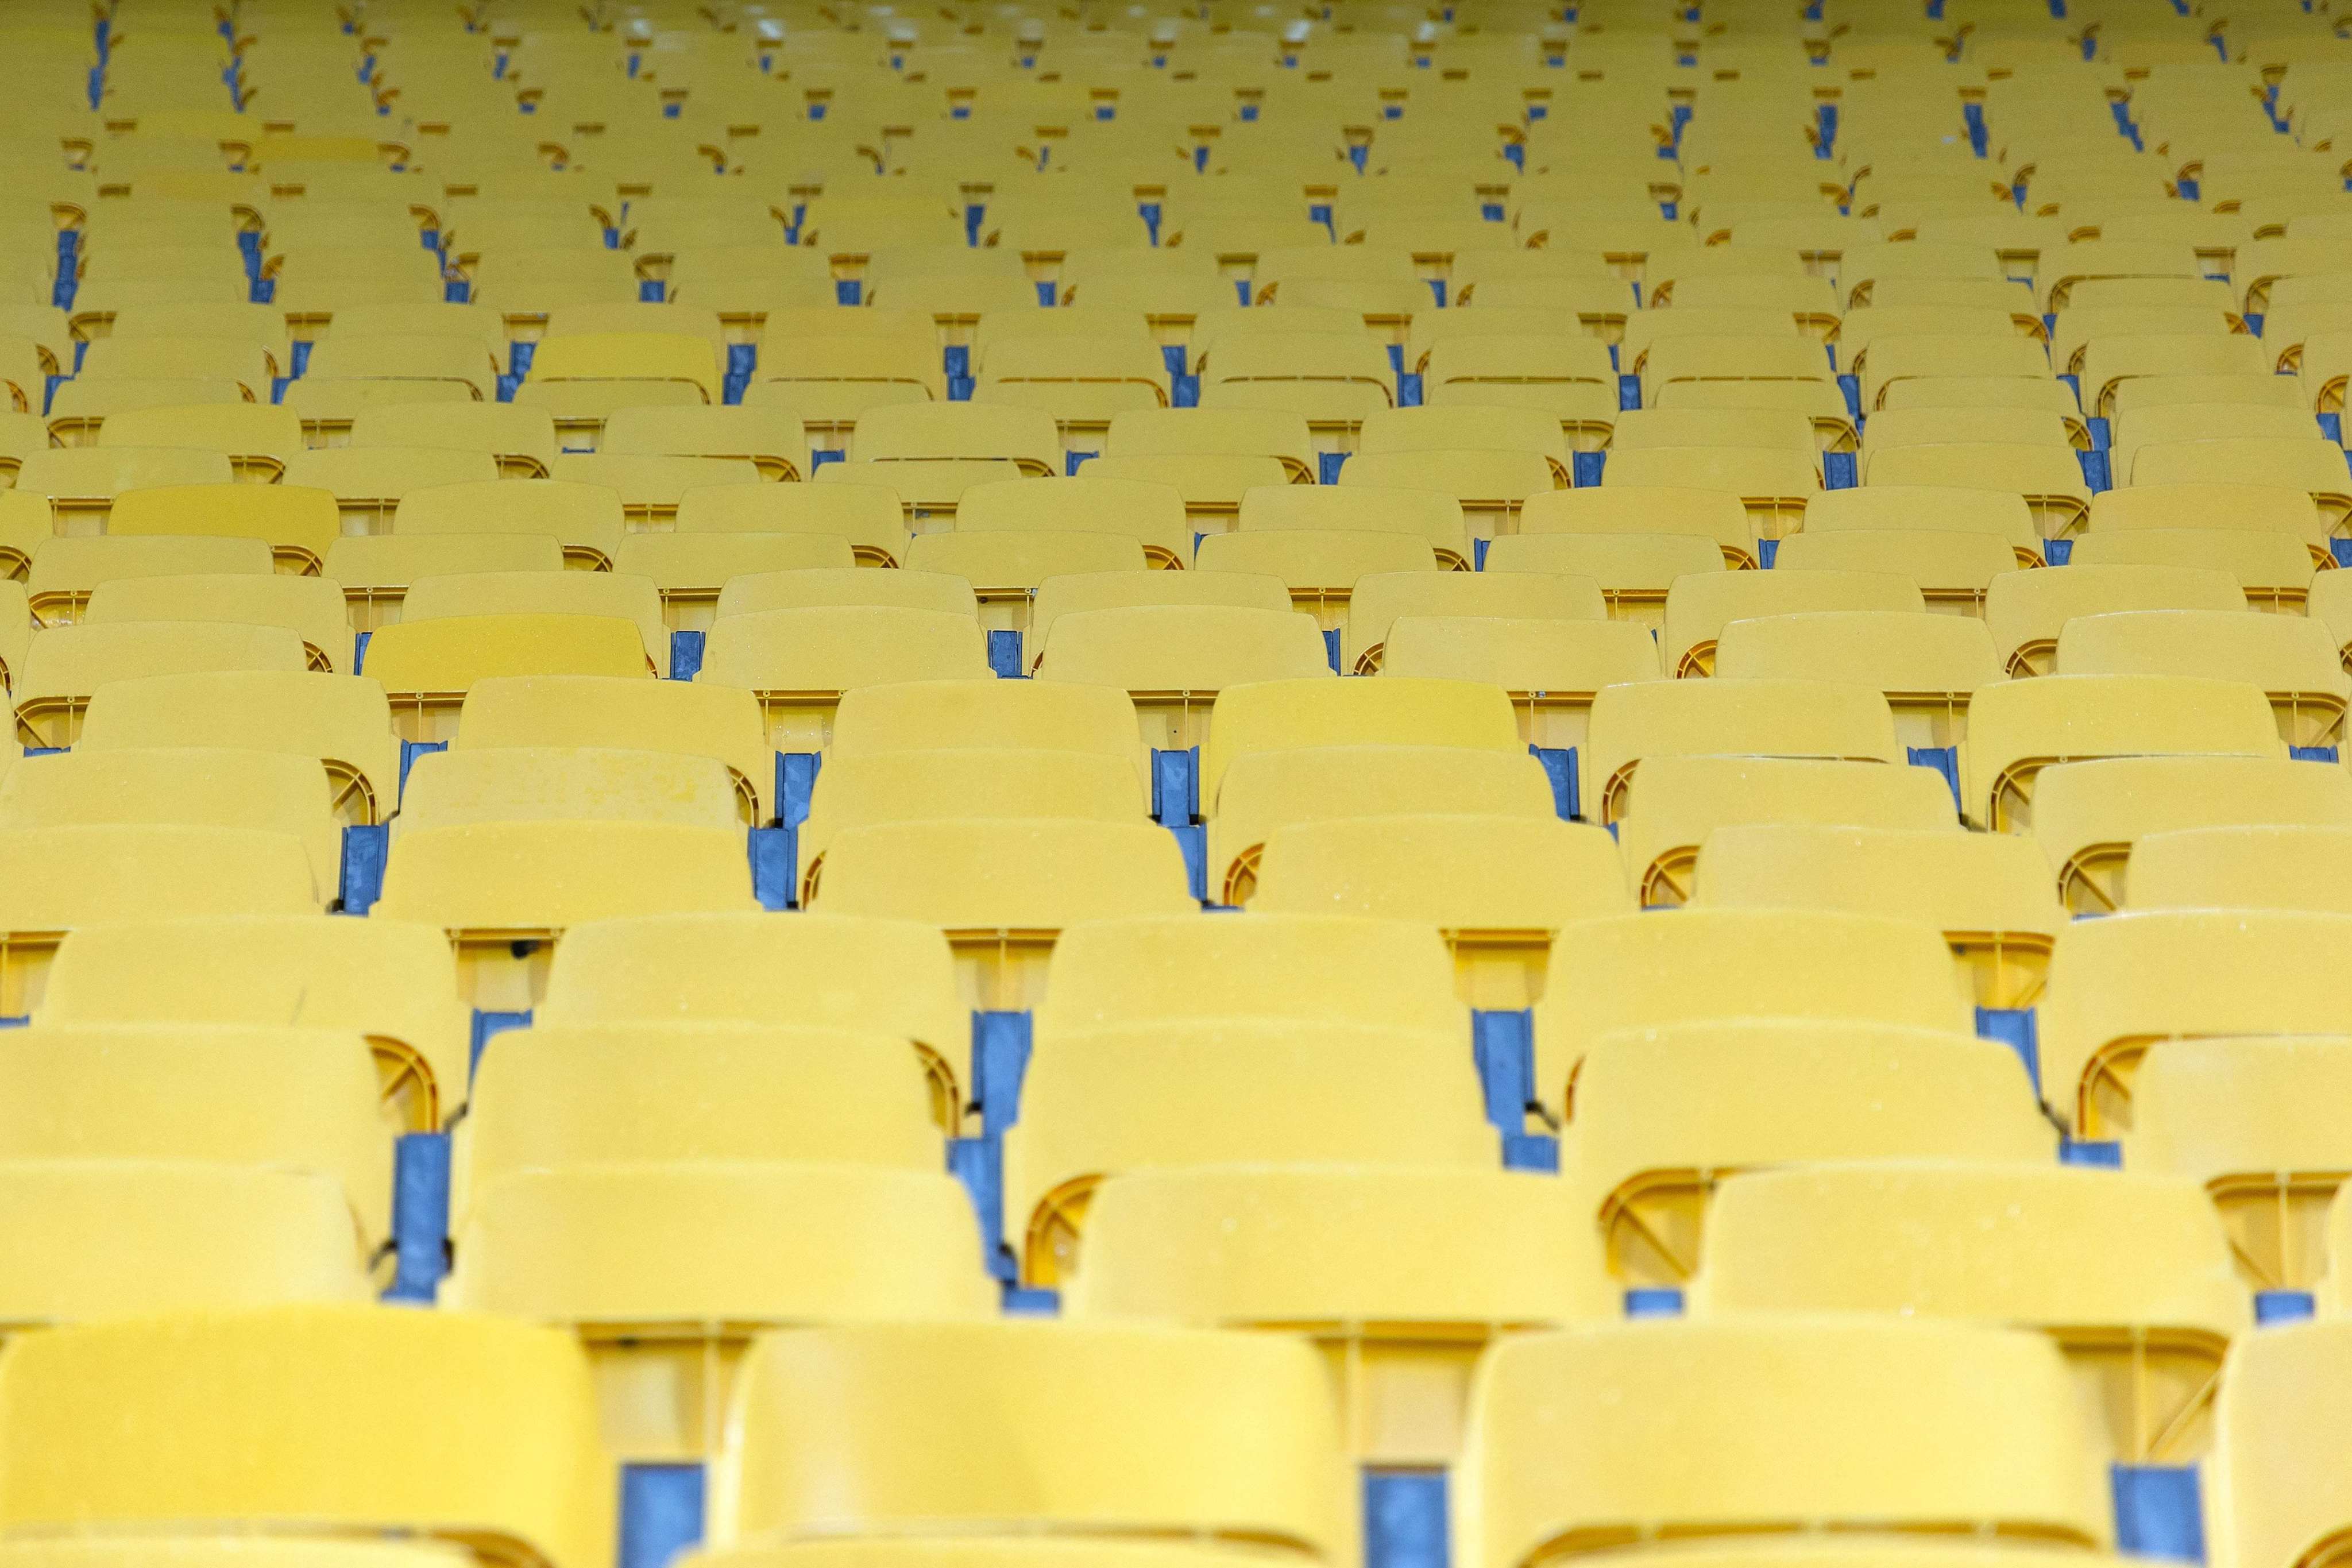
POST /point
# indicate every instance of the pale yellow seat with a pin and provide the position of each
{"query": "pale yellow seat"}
(505, 892)
(929, 488)
(831, 972)
(312, 607)
(1772, 483)
(624, 1093)
(1004, 889)
(1151, 514)
(1222, 1436)
(2256, 508)
(2311, 463)
(835, 382)
(1337, 1249)
(1332, 380)
(2109, 361)
(650, 488)
(1895, 359)
(1550, 668)
(1671, 509)
(308, 1099)
(2250, 1118)
(394, 983)
(257, 438)
(1677, 803)
(1434, 516)
(1953, 569)
(963, 432)
(486, 594)
(206, 1381)
(2169, 423)
(2274, 570)
(375, 570)
(2018, 728)
(82, 482)
(986, 715)
(690, 570)
(1067, 593)
(2266, 867)
(567, 784)
(585, 518)
(800, 661)
(2123, 986)
(1927, 666)
(65, 666)
(1985, 1436)
(369, 484)
(1665, 1113)
(1221, 1090)
(1805, 719)
(133, 870)
(2048, 477)
(178, 358)
(2135, 1278)
(837, 587)
(64, 571)
(1005, 566)
(2270, 1500)
(1196, 432)
(342, 721)
(871, 517)
(1174, 659)
(413, 359)
(125, 1237)
(1699, 607)
(1377, 599)
(1497, 887)
(2291, 658)
(2088, 816)
(426, 665)
(253, 790)
(1709, 965)
(892, 787)
(522, 439)
(2026, 611)
(298, 523)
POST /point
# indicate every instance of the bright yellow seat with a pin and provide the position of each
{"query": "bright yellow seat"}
(2028, 610)
(801, 661)
(211, 1392)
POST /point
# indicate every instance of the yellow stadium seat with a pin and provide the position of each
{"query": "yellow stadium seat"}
(427, 666)
(1332, 380)
(411, 358)
(801, 661)
(2274, 570)
(2088, 816)
(895, 977)
(586, 518)
(871, 517)
(506, 891)
(1678, 802)
(121, 1237)
(391, 982)
(375, 570)
(2016, 728)
(2027, 611)
(1174, 659)
(311, 606)
(644, 1262)
(2265, 867)
(255, 791)
(1986, 1438)
(65, 666)
(529, 784)
(2269, 1500)
(1196, 432)
(1222, 1249)
(1427, 514)
(837, 381)
(1525, 876)
(963, 432)
(2122, 985)
(369, 484)
(81, 483)
(257, 438)
(2255, 508)
(1699, 607)
(1242, 1439)
(1665, 1113)
(2291, 658)
(490, 594)
(890, 786)
(1276, 1092)
(2311, 463)
(65, 571)
(342, 721)
(1004, 889)
(1927, 666)
(2136, 1287)
(2246, 1117)
(1806, 718)
(1774, 484)
(837, 587)
(689, 571)
(215, 1384)
(1702, 966)
(298, 523)
(1380, 598)
(522, 439)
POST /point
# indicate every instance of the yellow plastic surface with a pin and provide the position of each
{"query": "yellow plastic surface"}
(801, 661)
(298, 524)
(1594, 1438)
(1819, 719)
(2018, 728)
(240, 1095)
(1110, 1434)
(88, 1240)
(313, 607)
(428, 666)
(586, 518)
(1174, 659)
(2120, 985)
(481, 1432)
(64, 570)
(1698, 608)
(342, 721)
